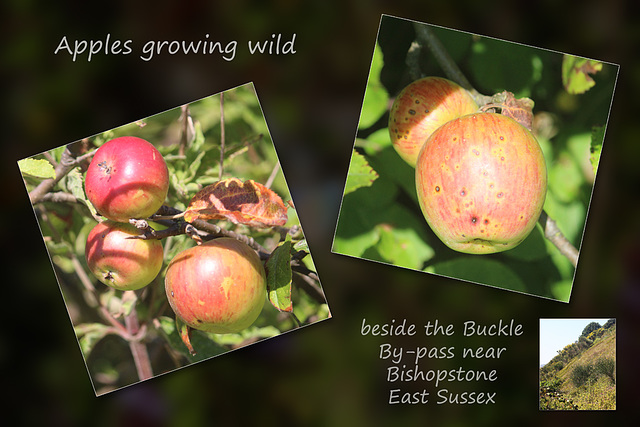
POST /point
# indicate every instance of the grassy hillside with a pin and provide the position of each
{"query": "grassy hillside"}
(582, 377)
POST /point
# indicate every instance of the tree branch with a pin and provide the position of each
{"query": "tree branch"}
(426, 37)
(68, 161)
(555, 236)
(137, 347)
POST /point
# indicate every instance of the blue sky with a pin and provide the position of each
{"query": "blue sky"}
(555, 334)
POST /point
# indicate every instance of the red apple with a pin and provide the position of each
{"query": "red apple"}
(119, 261)
(219, 286)
(481, 181)
(421, 108)
(127, 178)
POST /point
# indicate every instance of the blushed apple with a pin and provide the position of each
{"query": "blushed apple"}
(481, 182)
(218, 286)
(119, 261)
(127, 178)
(421, 108)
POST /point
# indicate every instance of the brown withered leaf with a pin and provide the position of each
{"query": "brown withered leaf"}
(520, 110)
(248, 203)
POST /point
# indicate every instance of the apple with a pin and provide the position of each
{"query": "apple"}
(218, 286)
(119, 261)
(421, 108)
(127, 178)
(481, 182)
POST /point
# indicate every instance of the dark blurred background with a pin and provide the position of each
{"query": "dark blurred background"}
(326, 374)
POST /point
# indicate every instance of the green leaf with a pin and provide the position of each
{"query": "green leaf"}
(562, 290)
(75, 183)
(195, 154)
(202, 344)
(565, 178)
(569, 216)
(251, 333)
(500, 66)
(360, 173)
(355, 231)
(38, 168)
(375, 142)
(129, 299)
(118, 304)
(301, 245)
(279, 277)
(532, 249)
(376, 97)
(576, 74)
(481, 270)
(597, 138)
(403, 247)
(111, 302)
(89, 334)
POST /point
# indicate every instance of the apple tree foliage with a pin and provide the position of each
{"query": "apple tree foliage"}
(111, 325)
(380, 219)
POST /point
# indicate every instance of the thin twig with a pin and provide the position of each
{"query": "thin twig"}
(426, 36)
(193, 229)
(273, 175)
(221, 170)
(307, 280)
(68, 161)
(184, 139)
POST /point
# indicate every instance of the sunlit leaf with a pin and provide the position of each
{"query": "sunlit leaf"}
(360, 173)
(356, 226)
(279, 277)
(249, 334)
(562, 290)
(576, 73)
(75, 183)
(565, 178)
(376, 97)
(248, 203)
(38, 168)
(301, 245)
(403, 247)
(89, 334)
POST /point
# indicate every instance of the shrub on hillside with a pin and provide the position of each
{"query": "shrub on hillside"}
(606, 366)
(581, 374)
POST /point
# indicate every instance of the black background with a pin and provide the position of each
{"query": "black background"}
(325, 374)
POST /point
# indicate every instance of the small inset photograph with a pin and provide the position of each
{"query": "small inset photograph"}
(577, 364)
(174, 239)
(475, 158)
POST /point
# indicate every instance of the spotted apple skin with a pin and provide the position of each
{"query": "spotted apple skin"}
(481, 182)
(422, 107)
(218, 286)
